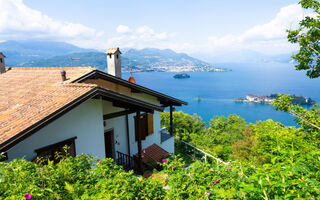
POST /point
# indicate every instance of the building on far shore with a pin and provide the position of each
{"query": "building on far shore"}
(256, 98)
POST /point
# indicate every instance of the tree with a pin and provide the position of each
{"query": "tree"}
(307, 37)
(307, 119)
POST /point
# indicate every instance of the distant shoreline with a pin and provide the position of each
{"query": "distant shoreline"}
(250, 98)
(178, 69)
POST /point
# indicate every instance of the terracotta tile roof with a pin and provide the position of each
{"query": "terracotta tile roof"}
(153, 154)
(28, 95)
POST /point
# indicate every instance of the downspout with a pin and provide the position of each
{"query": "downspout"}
(140, 165)
(128, 137)
(171, 120)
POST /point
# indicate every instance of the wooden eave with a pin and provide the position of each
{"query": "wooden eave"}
(165, 100)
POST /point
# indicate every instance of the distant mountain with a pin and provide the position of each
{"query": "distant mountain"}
(151, 57)
(19, 52)
(132, 59)
(93, 59)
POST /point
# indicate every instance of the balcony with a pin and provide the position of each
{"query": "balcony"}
(165, 135)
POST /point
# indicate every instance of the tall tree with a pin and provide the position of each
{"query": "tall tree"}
(307, 37)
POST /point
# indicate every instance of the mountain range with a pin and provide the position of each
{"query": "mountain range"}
(33, 53)
(19, 52)
(57, 54)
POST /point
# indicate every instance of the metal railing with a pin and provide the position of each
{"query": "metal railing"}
(164, 135)
(197, 153)
(126, 161)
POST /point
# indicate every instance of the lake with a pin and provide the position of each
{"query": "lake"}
(219, 89)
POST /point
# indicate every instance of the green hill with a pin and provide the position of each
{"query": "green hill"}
(19, 52)
(132, 59)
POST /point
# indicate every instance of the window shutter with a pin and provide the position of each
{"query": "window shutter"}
(143, 127)
(150, 124)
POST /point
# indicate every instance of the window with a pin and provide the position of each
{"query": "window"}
(146, 126)
(50, 152)
(117, 56)
(110, 56)
(1, 60)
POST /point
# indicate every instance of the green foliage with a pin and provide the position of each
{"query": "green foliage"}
(309, 120)
(184, 124)
(268, 161)
(81, 177)
(307, 37)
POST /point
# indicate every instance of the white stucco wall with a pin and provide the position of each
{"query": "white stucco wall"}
(119, 126)
(155, 138)
(85, 121)
(168, 145)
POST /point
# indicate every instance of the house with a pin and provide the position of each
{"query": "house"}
(255, 98)
(251, 97)
(43, 109)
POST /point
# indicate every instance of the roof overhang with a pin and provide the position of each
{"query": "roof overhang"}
(165, 100)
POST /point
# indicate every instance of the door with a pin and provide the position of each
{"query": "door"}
(109, 144)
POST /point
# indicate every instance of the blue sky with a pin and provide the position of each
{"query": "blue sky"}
(202, 26)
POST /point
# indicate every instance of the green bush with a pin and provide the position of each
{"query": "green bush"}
(82, 177)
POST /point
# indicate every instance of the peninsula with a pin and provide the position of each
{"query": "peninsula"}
(251, 98)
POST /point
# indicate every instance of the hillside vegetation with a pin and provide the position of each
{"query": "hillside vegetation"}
(266, 160)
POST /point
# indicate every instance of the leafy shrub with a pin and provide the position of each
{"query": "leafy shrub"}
(80, 177)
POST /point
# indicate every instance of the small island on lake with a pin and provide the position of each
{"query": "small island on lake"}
(181, 76)
(250, 98)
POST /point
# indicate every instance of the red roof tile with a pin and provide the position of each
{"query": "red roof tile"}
(28, 95)
(153, 154)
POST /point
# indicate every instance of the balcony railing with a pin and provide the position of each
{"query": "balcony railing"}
(197, 153)
(126, 161)
(164, 134)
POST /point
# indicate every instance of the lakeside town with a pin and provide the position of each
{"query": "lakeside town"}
(251, 98)
(176, 69)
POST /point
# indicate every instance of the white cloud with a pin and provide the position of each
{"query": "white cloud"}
(17, 21)
(269, 38)
(123, 29)
(142, 37)
(266, 38)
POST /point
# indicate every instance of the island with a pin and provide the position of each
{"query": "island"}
(181, 76)
(251, 98)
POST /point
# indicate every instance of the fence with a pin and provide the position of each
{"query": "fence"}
(197, 153)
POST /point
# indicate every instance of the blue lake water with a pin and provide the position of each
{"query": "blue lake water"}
(219, 89)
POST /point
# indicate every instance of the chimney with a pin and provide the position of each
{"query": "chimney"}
(63, 75)
(114, 61)
(2, 65)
